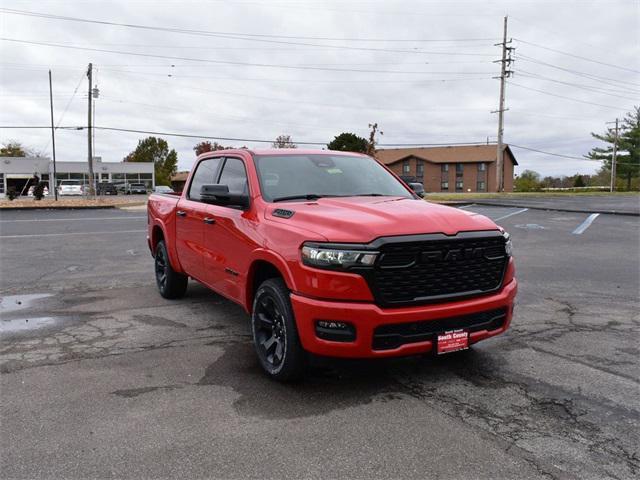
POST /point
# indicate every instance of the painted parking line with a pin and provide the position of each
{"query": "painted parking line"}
(38, 220)
(467, 206)
(510, 214)
(70, 234)
(586, 224)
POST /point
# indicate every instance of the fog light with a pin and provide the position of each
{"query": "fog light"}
(335, 331)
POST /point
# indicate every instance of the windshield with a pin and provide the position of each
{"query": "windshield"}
(70, 182)
(285, 177)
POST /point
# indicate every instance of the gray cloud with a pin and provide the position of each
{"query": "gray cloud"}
(447, 98)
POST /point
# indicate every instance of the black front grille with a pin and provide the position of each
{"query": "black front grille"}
(413, 271)
(387, 337)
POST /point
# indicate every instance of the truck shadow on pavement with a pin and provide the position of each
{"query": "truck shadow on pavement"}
(347, 383)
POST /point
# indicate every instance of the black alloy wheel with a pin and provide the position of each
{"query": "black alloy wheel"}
(171, 284)
(271, 331)
(275, 335)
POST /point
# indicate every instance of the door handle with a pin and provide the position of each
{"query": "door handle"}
(209, 221)
(181, 213)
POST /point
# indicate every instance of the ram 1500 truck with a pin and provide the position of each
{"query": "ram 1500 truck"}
(331, 254)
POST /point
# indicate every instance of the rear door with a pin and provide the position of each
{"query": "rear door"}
(191, 215)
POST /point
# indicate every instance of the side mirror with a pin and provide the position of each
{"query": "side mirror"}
(219, 195)
(417, 188)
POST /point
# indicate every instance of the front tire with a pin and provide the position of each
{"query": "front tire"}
(275, 335)
(171, 284)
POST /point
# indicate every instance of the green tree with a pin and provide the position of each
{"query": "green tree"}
(156, 150)
(349, 142)
(527, 181)
(628, 161)
(15, 149)
(283, 141)
(578, 181)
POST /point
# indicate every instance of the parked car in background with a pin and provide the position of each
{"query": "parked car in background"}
(70, 187)
(163, 189)
(133, 188)
(106, 188)
(417, 188)
(31, 188)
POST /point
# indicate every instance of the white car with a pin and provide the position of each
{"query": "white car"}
(70, 187)
(30, 192)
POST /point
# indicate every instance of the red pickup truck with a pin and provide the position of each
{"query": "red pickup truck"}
(331, 254)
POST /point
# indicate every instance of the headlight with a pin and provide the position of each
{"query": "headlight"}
(329, 257)
(508, 246)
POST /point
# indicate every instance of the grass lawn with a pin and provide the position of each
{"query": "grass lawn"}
(465, 197)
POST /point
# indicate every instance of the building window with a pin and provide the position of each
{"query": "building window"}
(1, 183)
(406, 168)
(459, 185)
(420, 169)
(482, 167)
(459, 169)
(444, 168)
(444, 186)
(481, 186)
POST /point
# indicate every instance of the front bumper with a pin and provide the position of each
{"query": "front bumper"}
(365, 317)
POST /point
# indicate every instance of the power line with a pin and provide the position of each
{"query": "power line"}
(561, 155)
(227, 35)
(565, 98)
(591, 76)
(223, 62)
(588, 88)
(577, 56)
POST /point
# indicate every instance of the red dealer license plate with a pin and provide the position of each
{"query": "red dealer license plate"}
(452, 341)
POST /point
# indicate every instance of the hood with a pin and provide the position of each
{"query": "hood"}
(363, 219)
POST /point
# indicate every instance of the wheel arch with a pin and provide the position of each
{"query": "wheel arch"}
(261, 269)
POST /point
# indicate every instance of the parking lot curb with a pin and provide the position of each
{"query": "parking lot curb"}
(552, 209)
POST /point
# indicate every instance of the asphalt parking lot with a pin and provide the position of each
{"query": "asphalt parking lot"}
(102, 378)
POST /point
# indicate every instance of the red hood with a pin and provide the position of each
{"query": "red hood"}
(363, 219)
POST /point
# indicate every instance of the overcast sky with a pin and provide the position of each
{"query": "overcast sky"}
(315, 68)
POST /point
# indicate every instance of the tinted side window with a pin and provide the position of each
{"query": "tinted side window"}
(205, 175)
(234, 175)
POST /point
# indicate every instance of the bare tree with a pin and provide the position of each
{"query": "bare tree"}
(371, 144)
(283, 141)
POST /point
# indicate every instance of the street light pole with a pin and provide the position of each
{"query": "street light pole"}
(53, 141)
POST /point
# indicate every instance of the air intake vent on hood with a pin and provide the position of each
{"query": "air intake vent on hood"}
(283, 213)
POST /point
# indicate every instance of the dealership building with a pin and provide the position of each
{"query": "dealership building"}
(15, 172)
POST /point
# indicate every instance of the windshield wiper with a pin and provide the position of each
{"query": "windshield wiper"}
(305, 196)
(370, 195)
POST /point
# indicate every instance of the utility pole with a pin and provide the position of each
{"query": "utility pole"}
(614, 158)
(92, 190)
(504, 74)
(53, 142)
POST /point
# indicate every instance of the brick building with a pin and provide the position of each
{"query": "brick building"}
(465, 168)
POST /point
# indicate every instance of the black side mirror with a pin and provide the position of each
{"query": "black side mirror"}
(219, 195)
(417, 188)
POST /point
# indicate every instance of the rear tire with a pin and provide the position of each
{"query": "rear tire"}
(171, 284)
(275, 335)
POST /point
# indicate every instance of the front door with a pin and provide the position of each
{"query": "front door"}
(230, 240)
(191, 215)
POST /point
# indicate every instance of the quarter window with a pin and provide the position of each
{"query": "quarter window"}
(205, 175)
(234, 176)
